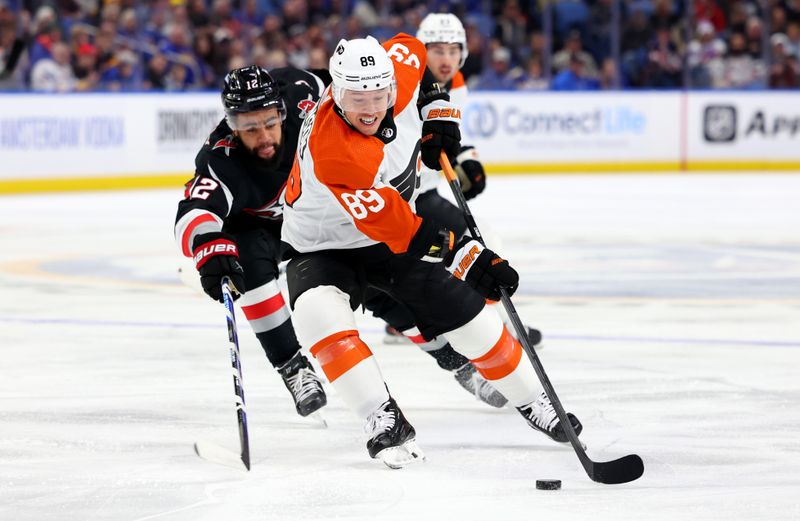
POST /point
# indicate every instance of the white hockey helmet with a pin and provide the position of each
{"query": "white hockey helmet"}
(362, 66)
(443, 28)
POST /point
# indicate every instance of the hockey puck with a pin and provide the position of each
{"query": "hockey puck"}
(548, 484)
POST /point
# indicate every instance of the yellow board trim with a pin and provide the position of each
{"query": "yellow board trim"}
(176, 180)
(640, 166)
(744, 165)
(582, 168)
(74, 184)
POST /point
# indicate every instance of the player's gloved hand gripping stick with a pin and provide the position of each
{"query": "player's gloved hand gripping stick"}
(622, 470)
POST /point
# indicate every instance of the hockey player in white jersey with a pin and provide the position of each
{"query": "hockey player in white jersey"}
(350, 225)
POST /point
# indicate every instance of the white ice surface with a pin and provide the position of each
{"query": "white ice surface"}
(670, 306)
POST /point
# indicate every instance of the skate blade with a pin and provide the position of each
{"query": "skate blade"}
(318, 419)
(402, 455)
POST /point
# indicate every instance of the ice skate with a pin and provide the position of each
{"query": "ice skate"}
(470, 379)
(392, 437)
(541, 415)
(304, 384)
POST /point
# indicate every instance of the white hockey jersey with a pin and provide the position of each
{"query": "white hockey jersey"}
(429, 178)
(349, 190)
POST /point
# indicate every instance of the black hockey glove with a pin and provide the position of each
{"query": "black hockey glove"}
(440, 121)
(470, 172)
(216, 256)
(481, 268)
(431, 242)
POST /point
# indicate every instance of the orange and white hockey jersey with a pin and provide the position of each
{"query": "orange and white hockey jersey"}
(457, 88)
(349, 190)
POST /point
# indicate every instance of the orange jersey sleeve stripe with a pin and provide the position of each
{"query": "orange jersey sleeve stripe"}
(344, 351)
(502, 359)
(394, 225)
(410, 59)
(346, 162)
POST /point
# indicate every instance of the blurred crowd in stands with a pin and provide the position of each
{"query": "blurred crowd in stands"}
(178, 45)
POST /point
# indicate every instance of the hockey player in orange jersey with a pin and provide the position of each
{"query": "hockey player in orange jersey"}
(350, 225)
(446, 45)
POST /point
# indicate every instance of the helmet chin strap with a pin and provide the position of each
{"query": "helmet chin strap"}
(340, 111)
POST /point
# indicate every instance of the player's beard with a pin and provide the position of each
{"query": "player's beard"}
(276, 157)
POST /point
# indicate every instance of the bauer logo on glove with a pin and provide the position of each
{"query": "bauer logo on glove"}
(216, 248)
(465, 263)
(448, 113)
(216, 256)
(481, 268)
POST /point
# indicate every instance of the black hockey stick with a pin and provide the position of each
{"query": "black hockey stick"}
(622, 470)
(208, 450)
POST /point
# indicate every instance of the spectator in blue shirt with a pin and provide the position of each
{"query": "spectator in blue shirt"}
(123, 76)
(574, 77)
(497, 76)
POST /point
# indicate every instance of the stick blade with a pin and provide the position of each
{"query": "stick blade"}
(622, 470)
(214, 453)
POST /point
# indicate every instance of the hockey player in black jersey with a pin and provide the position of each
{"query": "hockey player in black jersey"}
(231, 215)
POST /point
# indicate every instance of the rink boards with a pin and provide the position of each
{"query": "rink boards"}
(102, 141)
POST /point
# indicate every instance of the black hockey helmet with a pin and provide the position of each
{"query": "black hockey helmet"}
(249, 89)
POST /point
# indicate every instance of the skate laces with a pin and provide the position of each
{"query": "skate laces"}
(381, 420)
(542, 413)
(304, 383)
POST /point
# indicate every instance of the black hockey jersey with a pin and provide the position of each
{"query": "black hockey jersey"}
(231, 189)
